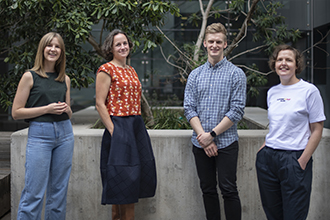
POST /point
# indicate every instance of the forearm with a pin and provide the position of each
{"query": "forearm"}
(105, 117)
(26, 113)
(69, 111)
(196, 125)
(311, 146)
(223, 126)
(52, 108)
(313, 142)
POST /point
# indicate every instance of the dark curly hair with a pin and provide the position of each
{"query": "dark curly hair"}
(300, 62)
(108, 43)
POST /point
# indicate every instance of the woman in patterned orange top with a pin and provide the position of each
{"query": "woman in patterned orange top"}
(127, 162)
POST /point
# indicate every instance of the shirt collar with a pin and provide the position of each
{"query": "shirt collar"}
(218, 64)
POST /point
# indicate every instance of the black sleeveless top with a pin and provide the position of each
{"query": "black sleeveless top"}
(45, 91)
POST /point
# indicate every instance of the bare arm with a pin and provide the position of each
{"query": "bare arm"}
(211, 149)
(102, 85)
(313, 142)
(206, 138)
(262, 146)
(68, 97)
(22, 94)
(196, 125)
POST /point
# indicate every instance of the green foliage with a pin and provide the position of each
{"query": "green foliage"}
(24, 22)
(254, 80)
(166, 118)
(271, 28)
(266, 25)
(242, 125)
(237, 6)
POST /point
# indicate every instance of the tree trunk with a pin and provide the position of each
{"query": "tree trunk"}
(146, 110)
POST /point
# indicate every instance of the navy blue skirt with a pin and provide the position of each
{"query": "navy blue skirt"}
(128, 169)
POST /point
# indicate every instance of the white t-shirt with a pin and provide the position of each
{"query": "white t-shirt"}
(291, 109)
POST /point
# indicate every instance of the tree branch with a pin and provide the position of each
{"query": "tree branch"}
(7, 50)
(319, 42)
(253, 70)
(95, 45)
(204, 23)
(241, 35)
(248, 51)
(174, 45)
(172, 64)
(102, 32)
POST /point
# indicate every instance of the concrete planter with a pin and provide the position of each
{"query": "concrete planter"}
(178, 195)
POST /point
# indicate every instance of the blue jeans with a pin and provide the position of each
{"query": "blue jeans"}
(222, 168)
(49, 153)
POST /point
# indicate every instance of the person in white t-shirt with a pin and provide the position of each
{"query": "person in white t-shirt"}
(284, 161)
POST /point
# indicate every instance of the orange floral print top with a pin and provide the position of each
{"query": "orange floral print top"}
(124, 96)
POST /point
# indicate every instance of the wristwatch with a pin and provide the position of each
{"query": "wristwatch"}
(213, 134)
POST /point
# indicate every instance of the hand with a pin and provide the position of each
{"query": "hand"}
(57, 108)
(204, 139)
(111, 131)
(110, 128)
(211, 150)
(261, 148)
(302, 164)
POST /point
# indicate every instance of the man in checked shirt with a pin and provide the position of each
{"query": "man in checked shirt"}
(214, 102)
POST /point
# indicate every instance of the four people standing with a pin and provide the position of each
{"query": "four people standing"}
(214, 102)
(43, 99)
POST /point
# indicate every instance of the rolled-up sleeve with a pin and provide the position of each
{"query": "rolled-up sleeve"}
(238, 99)
(190, 97)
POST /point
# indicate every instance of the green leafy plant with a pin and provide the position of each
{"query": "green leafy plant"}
(254, 80)
(24, 22)
(165, 118)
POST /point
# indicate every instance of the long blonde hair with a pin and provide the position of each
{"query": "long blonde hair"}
(39, 60)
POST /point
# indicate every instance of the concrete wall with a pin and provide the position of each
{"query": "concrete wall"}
(178, 195)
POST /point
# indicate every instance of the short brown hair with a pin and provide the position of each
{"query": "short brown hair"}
(108, 43)
(300, 62)
(39, 60)
(216, 28)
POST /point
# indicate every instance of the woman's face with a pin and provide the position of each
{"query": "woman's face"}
(120, 47)
(285, 65)
(52, 51)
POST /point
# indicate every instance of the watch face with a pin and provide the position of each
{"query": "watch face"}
(213, 134)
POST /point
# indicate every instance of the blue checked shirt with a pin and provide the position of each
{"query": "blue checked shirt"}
(213, 92)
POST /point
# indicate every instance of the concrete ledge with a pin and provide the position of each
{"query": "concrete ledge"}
(178, 195)
(4, 192)
(254, 117)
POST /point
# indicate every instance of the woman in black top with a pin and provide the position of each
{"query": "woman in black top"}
(43, 99)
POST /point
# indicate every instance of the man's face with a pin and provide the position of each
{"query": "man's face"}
(215, 43)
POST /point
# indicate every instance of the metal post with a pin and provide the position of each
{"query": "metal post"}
(312, 39)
